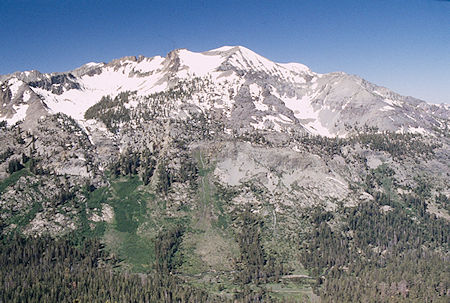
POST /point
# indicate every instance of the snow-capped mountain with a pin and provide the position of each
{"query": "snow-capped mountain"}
(209, 143)
(245, 89)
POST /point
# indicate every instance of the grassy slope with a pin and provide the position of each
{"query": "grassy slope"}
(122, 236)
(208, 246)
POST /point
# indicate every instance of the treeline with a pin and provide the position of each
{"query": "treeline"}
(33, 163)
(397, 145)
(112, 112)
(162, 104)
(146, 163)
(133, 163)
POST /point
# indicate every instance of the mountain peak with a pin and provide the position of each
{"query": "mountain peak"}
(247, 88)
(229, 49)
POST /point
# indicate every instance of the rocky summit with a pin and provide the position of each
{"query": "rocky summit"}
(241, 178)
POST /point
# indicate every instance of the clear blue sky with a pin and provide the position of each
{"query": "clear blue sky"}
(401, 44)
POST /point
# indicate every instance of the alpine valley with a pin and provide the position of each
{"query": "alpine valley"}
(220, 176)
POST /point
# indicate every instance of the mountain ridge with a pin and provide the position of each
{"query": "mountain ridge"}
(321, 103)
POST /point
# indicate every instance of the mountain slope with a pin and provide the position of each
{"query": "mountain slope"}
(233, 175)
(248, 89)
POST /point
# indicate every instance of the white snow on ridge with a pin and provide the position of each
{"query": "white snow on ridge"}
(285, 119)
(295, 67)
(293, 83)
(247, 59)
(198, 63)
(150, 64)
(75, 102)
(412, 118)
(114, 79)
(92, 64)
(224, 48)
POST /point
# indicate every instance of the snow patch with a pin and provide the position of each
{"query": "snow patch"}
(14, 85)
(255, 90)
(247, 59)
(302, 108)
(393, 102)
(417, 130)
(198, 63)
(26, 96)
(111, 82)
(386, 108)
(315, 127)
(295, 67)
(385, 208)
(269, 121)
(92, 64)
(148, 65)
(260, 106)
(412, 118)
(285, 118)
(21, 112)
(337, 181)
